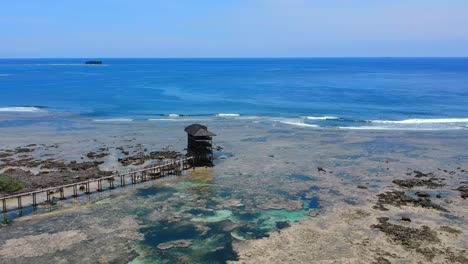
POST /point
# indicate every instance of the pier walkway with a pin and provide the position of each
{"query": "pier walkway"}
(17, 201)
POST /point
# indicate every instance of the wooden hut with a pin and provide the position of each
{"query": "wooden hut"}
(199, 144)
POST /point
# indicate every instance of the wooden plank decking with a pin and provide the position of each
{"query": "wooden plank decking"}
(140, 175)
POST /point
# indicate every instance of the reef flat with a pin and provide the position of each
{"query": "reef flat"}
(296, 195)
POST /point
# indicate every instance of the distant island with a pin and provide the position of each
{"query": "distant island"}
(96, 62)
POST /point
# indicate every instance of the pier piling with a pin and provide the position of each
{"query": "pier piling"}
(62, 194)
(34, 200)
(99, 189)
(75, 191)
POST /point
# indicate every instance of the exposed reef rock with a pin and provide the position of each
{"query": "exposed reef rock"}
(399, 199)
(430, 183)
(463, 191)
(141, 157)
(411, 238)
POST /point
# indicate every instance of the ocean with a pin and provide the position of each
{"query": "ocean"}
(316, 141)
(338, 93)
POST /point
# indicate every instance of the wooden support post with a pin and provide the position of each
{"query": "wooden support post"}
(75, 191)
(19, 203)
(99, 189)
(87, 191)
(111, 184)
(62, 194)
(122, 180)
(4, 205)
(34, 204)
(48, 196)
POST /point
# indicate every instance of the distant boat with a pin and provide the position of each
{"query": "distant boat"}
(95, 62)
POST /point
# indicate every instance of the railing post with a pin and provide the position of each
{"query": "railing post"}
(4, 205)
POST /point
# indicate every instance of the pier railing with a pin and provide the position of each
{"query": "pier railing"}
(72, 189)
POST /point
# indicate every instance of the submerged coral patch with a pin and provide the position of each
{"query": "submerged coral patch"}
(218, 216)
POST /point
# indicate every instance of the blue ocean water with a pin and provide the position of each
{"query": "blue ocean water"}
(369, 93)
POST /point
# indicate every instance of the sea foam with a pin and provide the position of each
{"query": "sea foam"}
(22, 109)
(396, 128)
(422, 121)
(114, 120)
(227, 115)
(322, 117)
(296, 123)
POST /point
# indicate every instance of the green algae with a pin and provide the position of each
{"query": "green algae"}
(218, 216)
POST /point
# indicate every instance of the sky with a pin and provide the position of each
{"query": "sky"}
(233, 28)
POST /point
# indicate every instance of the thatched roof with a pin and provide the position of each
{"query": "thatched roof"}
(198, 130)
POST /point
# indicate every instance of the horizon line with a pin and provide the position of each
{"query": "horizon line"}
(279, 57)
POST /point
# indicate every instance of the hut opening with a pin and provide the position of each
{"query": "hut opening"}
(199, 144)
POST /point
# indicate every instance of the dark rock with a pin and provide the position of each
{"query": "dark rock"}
(419, 174)
(422, 194)
(450, 230)
(408, 237)
(140, 158)
(405, 219)
(383, 219)
(23, 150)
(381, 260)
(463, 191)
(430, 183)
(362, 187)
(399, 199)
(94, 155)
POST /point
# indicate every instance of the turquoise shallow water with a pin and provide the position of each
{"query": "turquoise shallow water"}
(385, 93)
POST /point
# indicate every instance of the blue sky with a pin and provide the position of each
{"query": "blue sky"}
(235, 28)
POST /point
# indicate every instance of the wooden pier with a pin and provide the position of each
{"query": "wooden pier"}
(72, 189)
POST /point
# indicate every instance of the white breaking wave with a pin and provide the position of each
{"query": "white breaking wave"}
(4, 74)
(322, 117)
(422, 121)
(296, 123)
(114, 120)
(227, 115)
(170, 119)
(173, 115)
(22, 109)
(401, 128)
